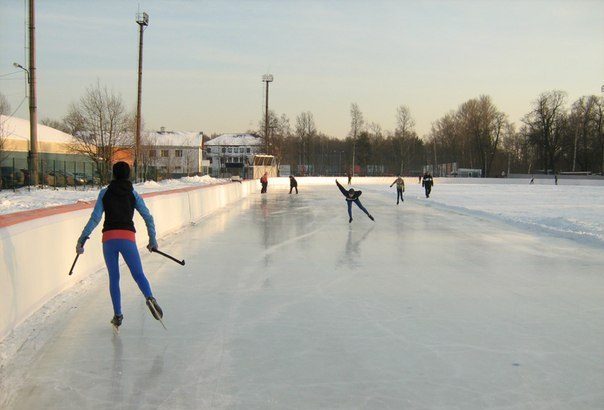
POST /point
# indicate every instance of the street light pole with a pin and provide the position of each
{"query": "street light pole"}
(31, 77)
(266, 78)
(142, 19)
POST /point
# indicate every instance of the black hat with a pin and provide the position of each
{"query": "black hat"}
(121, 170)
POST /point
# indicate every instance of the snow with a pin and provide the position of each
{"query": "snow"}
(176, 138)
(235, 139)
(25, 199)
(18, 129)
(483, 296)
(564, 210)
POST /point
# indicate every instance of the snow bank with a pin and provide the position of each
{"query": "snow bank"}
(37, 253)
(27, 199)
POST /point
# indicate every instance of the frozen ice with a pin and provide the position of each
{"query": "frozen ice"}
(284, 304)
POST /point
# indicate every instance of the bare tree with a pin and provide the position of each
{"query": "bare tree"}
(306, 131)
(57, 125)
(544, 123)
(5, 110)
(357, 125)
(101, 126)
(404, 134)
(583, 117)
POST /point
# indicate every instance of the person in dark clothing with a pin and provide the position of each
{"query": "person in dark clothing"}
(293, 184)
(556, 179)
(118, 201)
(400, 188)
(427, 183)
(349, 175)
(264, 182)
(353, 196)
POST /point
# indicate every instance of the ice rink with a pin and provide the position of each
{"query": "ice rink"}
(283, 304)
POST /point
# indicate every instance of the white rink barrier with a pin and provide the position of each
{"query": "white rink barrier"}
(38, 251)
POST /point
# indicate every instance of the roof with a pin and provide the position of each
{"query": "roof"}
(176, 138)
(18, 129)
(235, 139)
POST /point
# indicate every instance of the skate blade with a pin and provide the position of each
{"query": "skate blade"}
(116, 330)
(155, 315)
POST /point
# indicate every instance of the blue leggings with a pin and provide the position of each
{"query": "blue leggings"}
(359, 204)
(111, 249)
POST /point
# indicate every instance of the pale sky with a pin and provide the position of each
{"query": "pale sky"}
(203, 60)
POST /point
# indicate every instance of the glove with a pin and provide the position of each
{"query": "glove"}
(79, 248)
(152, 247)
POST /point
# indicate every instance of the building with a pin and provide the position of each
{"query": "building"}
(232, 153)
(174, 152)
(58, 163)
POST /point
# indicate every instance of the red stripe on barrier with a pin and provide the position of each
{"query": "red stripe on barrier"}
(25, 216)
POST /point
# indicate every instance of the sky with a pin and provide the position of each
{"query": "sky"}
(204, 60)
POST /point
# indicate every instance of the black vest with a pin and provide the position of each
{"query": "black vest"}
(119, 202)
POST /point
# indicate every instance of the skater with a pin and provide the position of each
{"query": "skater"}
(532, 180)
(264, 182)
(293, 184)
(349, 175)
(400, 188)
(118, 201)
(427, 183)
(353, 196)
(556, 179)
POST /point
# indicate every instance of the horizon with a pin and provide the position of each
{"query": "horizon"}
(203, 62)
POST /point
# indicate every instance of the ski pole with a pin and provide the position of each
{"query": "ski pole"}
(182, 262)
(76, 258)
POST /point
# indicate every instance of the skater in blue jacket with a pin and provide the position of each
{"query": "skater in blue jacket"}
(353, 196)
(118, 201)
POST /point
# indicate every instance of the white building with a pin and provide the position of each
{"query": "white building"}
(174, 152)
(232, 151)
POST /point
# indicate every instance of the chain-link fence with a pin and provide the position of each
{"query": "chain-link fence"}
(54, 174)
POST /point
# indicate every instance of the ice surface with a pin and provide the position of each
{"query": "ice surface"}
(283, 304)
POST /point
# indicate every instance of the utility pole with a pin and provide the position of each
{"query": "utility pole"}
(266, 78)
(33, 111)
(142, 19)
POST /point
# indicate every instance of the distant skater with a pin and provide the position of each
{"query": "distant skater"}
(420, 180)
(556, 179)
(264, 182)
(400, 188)
(349, 175)
(532, 180)
(118, 201)
(293, 184)
(353, 196)
(427, 183)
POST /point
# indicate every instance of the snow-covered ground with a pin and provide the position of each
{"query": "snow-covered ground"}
(25, 199)
(572, 211)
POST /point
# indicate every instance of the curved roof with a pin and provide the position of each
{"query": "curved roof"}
(18, 129)
(235, 139)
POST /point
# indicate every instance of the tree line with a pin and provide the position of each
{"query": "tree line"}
(554, 136)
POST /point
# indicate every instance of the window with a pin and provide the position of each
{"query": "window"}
(241, 150)
(165, 153)
(208, 150)
(178, 169)
(223, 150)
(248, 150)
(178, 153)
(152, 153)
(230, 150)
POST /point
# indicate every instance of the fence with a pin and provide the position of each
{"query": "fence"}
(54, 174)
